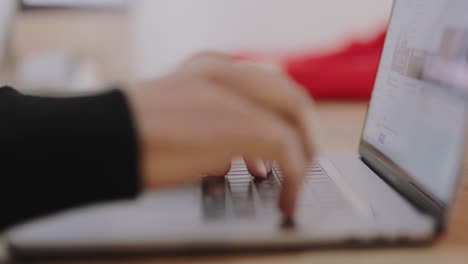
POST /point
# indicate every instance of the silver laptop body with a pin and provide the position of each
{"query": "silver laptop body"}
(398, 188)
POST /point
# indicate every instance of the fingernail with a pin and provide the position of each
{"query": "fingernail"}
(262, 170)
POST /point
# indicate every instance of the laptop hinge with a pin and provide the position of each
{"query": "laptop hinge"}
(404, 187)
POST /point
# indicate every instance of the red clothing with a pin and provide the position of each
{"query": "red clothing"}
(345, 74)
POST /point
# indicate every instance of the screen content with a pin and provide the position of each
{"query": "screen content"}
(415, 118)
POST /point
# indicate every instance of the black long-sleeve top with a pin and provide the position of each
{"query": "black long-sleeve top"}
(58, 153)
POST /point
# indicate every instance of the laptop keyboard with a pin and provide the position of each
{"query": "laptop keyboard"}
(241, 189)
(318, 188)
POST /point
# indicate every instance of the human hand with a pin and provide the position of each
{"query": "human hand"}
(194, 121)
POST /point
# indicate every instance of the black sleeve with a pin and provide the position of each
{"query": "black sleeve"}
(58, 153)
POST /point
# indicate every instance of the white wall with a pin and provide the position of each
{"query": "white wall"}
(7, 8)
(166, 31)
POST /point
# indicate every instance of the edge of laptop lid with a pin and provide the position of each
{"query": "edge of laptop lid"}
(398, 178)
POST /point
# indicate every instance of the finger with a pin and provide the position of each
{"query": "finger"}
(243, 128)
(291, 186)
(266, 136)
(257, 168)
(220, 170)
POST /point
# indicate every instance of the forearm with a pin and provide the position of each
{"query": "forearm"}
(62, 153)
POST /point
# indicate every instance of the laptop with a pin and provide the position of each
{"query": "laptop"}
(398, 188)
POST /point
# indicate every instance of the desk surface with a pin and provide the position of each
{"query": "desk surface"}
(340, 128)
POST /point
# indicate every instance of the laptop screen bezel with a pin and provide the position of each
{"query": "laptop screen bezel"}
(393, 174)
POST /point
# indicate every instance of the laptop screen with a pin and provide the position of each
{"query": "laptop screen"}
(415, 118)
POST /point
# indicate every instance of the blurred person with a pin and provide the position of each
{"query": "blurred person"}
(60, 153)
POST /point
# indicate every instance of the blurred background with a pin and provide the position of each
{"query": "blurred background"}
(70, 46)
